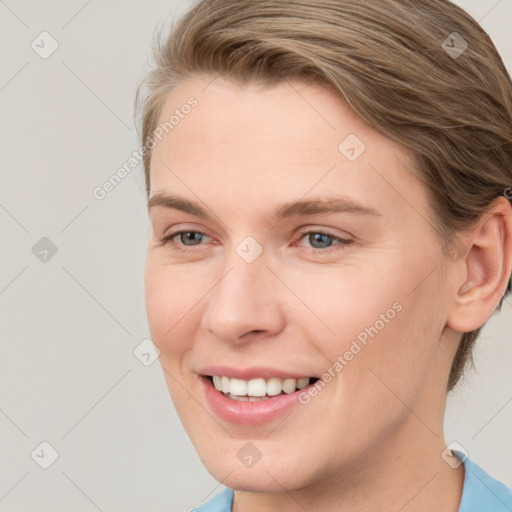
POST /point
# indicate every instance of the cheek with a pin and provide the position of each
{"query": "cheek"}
(172, 321)
(385, 335)
(169, 305)
(390, 373)
(341, 305)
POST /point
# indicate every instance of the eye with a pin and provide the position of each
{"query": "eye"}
(320, 241)
(185, 238)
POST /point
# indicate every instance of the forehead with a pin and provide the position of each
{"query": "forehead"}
(304, 113)
(273, 141)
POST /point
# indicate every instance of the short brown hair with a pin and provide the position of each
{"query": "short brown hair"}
(422, 72)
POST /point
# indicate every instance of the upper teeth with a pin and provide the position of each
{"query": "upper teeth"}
(258, 387)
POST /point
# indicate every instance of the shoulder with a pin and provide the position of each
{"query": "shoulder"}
(221, 502)
(482, 492)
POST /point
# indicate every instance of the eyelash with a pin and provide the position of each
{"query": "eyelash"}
(168, 239)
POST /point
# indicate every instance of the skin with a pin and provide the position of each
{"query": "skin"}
(372, 438)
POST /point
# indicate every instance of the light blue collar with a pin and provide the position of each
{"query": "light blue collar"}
(481, 492)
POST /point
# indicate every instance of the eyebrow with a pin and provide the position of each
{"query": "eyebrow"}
(338, 204)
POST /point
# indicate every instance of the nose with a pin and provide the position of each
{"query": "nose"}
(244, 304)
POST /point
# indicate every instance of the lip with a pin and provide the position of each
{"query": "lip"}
(248, 413)
(250, 373)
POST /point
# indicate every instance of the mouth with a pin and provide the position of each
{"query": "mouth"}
(258, 389)
(253, 396)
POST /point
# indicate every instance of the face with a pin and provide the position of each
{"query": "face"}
(291, 255)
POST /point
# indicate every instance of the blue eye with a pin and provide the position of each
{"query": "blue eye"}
(184, 238)
(320, 240)
(196, 237)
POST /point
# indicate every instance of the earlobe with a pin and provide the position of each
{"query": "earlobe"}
(487, 267)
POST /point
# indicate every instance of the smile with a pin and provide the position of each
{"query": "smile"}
(255, 401)
(258, 389)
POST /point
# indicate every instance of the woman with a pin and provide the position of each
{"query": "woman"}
(330, 229)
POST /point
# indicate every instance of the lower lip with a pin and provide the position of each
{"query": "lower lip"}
(249, 413)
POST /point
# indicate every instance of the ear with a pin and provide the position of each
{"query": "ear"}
(484, 271)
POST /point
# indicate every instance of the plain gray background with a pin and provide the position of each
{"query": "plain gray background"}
(70, 324)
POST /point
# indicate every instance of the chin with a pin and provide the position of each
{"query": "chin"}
(272, 475)
(252, 480)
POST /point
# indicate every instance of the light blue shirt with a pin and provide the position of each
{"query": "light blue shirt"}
(480, 493)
